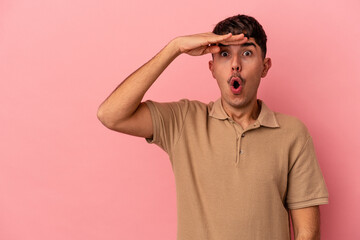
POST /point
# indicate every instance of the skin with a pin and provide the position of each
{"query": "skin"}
(306, 223)
(246, 62)
(124, 111)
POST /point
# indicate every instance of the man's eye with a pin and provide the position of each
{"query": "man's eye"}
(247, 53)
(224, 54)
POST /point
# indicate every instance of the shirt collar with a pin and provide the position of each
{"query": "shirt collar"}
(266, 117)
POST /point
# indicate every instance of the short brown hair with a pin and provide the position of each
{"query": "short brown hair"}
(243, 24)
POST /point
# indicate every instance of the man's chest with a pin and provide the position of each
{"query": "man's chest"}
(222, 155)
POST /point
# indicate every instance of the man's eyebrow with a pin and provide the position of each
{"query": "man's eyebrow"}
(248, 44)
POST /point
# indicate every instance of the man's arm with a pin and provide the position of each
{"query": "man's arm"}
(306, 223)
(123, 110)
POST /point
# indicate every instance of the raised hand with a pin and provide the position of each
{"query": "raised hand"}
(203, 43)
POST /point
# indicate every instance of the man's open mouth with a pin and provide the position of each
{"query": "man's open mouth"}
(236, 85)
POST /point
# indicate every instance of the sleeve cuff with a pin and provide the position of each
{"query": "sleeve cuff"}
(308, 203)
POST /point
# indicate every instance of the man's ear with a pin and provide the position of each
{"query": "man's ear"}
(211, 67)
(267, 66)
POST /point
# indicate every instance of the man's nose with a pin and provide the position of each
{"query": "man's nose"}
(236, 66)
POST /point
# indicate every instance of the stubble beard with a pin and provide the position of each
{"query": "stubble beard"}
(240, 101)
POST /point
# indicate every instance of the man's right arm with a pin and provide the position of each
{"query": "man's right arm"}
(123, 110)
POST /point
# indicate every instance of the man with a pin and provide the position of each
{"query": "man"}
(241, 170)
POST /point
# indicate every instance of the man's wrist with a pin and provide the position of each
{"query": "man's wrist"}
(174, 46)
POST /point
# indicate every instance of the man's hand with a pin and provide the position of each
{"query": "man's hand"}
(200, 44)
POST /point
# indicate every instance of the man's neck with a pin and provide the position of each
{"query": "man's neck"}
(246, 115)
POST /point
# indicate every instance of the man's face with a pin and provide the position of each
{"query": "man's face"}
(238, 70)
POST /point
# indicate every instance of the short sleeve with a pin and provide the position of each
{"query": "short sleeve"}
(168, 120)
(306, 185)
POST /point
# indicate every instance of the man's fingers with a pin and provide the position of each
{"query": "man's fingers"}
(228, 39)
(238, 37)
(212, 49)
(203, 43)
(235, 42)
(223, 37)
(218, 38)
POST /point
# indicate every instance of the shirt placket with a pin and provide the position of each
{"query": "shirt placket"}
(240, 135)
(237, 130)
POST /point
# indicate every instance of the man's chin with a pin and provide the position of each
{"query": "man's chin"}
(237, 102)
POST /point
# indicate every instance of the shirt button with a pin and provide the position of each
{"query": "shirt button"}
(243, 135)
(241, 151)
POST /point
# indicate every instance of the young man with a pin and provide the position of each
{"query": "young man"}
(241, 170)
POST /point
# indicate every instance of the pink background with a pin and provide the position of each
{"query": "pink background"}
(64, 176)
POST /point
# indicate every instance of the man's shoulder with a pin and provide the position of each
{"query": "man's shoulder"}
(196, 108)
(287, 119)
(291, 124)
(183, 101)
(185, 106)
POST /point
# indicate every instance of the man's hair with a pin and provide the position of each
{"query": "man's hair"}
(243, 24)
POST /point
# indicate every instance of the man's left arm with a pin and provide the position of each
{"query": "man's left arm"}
(306, 223)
